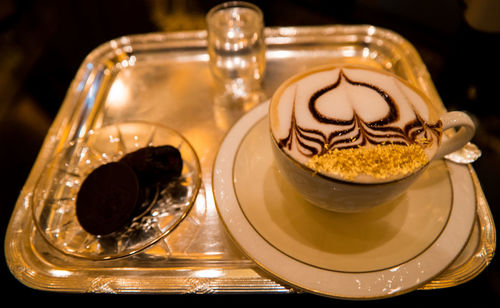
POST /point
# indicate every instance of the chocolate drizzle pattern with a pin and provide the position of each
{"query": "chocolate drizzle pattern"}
(356, 132)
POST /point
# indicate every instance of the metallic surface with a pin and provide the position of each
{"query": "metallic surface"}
(165, 78)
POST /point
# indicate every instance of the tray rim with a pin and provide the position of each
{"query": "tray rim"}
(56, 137)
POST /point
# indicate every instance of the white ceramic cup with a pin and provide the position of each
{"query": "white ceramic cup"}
(301, 114)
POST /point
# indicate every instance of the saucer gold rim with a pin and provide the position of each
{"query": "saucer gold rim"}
(380, 284)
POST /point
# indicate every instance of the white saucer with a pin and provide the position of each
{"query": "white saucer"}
(386, 251)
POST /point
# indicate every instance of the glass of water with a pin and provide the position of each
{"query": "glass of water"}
(237, 53)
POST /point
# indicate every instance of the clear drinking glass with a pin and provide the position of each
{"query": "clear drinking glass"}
(237, 53)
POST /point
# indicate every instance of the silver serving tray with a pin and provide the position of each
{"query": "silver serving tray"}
(164, 78)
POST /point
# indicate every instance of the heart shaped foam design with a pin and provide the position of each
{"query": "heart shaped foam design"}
(350, 107)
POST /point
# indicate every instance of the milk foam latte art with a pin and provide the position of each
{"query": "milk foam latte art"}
(355, 124)
(348, 138)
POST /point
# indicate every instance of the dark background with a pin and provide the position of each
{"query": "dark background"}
(43, 43)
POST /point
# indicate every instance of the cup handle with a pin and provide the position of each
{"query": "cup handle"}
(466, 130)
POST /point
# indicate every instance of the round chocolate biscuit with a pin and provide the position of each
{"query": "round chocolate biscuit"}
(107, 198)
(155, 165)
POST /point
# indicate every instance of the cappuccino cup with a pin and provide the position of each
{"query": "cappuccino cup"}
(349, 138)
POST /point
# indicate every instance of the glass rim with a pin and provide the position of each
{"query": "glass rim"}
(233, 4)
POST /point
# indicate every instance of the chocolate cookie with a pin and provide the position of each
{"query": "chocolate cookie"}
(155, 165)
(116, 193)
(107, 198)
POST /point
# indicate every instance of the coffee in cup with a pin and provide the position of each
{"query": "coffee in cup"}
(352, 137)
